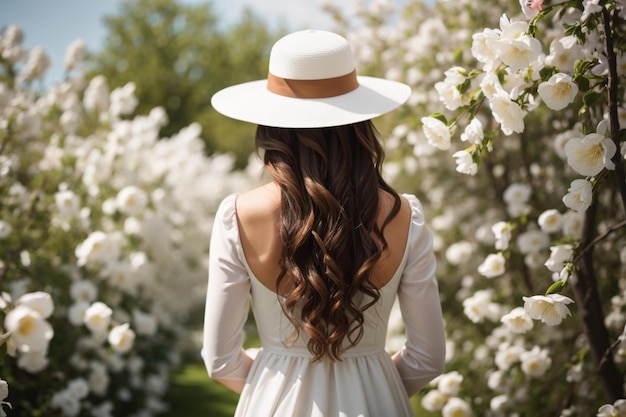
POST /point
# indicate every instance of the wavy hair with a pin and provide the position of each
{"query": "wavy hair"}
(329, 180)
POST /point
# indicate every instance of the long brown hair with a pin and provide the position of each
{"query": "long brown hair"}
(329, 180)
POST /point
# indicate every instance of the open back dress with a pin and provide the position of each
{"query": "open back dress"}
(282, 380)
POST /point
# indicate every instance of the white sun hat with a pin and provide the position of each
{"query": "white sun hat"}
(312, 82)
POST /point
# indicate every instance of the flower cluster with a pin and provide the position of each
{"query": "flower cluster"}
(529, 104)
(104, 231)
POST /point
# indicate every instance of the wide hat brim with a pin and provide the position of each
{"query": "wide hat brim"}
(252, 102)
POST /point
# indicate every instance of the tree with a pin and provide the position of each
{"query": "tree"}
(526, 99)
(178, 56)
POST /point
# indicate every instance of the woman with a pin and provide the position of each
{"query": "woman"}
(322, 251)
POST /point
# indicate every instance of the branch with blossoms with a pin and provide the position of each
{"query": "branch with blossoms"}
(515, 78)
(526, 118)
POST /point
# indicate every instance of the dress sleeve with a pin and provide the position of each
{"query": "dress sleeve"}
(227, 299)
(423, 356)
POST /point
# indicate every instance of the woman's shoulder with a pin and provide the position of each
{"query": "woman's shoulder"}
(258, 203)
(415, 207)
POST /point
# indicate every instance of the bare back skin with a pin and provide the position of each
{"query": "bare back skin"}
(258, 213)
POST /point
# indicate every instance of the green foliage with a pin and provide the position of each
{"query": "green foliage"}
(192, 393)
(178, 56)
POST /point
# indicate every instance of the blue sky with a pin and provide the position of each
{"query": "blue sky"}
(54, 24)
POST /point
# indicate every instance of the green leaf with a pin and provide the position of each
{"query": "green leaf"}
(556, 287)
(582, 66)
(582, 82)
(591, 98)
(463, 88)
(547, 72)
(439, 116)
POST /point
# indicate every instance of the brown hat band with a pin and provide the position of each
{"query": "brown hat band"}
(327, 87)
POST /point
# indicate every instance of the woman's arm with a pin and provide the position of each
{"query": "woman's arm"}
(227, 303)
(423, 356)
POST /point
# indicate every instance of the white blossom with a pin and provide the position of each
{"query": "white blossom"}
(33, 361)
(96, 97)
(464, 163)
(450, 383)
(123, 100)
(76, 313)
(561, 140)
(39, 301)
(499, 402)
(98, 378)
(579, 195)
(502, 232)
(78, 388)
(559, 255)
(456, 407)
(83, 290)
(121, 338)
(517, 194)
(4, 390)
(507, 355)
(67, 203)
(459, 253)
(507, 112)
(4, 393)
(517, 320)
(120, 275)
(573, 224)
(493, 265)
(535, 362)
(532, 241)
(515, 48)
(434, 400)
(483, 47)
(550, 221)
(74, 54)
(36, 67)
(29, 330)
(617, 409)
(490, 84)
(591, 154)
(131, 200)
(558, 92)
(98, 247)
(68, 405)
(590, 7)
(448, 90)
(98, 317)
(480, 306)
(436, 132)
(550, 309)
(473, 132)
(144, 323)
(564, 52)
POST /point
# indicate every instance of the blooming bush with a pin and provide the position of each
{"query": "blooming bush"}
(104, 231)
(526, 101)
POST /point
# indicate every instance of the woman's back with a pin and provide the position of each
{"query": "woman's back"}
(258, 215)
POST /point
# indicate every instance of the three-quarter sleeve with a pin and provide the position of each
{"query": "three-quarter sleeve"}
(423, 356)
(227, 299)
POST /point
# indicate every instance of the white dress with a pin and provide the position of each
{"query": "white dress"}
(282, 380)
